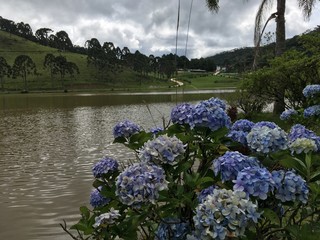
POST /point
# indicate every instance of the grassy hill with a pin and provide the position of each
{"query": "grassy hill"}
(126, 79)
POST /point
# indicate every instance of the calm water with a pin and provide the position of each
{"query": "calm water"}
(48, 144)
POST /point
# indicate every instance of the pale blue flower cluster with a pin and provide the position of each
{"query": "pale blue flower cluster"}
(223, 212)
(205, 192)
(266, 137)
(182, 114)
(140, 183)
(231, 163)
(311, 90)
(106, 218)
(240, 130)
(287, 114)
(312, 111)
(211, 116)
(125, 129)
(290, 186)
(104, 166)
(172, 229)
(299, 131)
(163, 149)
(210, 113)
(97, 200)
(303, 145)
(255, 181)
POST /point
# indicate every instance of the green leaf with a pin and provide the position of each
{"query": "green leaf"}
(296, 164)
(315, 176)
(271, 216)
(85, 212)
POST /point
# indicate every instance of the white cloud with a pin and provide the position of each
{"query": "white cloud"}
(149, 25)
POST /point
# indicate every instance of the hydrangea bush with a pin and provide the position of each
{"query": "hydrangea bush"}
(195, 179)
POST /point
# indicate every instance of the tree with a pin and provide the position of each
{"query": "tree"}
(24, 30)
(49, 62)
(22, 67)
(4, 71)
(63, 41)
(42, 35)
(62, 67)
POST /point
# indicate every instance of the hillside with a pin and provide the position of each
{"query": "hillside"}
(12, 46)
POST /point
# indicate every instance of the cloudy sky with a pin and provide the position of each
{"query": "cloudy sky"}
(150, 25)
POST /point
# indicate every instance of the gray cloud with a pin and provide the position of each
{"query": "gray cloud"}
(150, 25)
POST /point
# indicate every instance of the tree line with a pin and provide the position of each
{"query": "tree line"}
(106, 56)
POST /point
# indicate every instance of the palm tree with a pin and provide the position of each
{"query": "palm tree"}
(279, 16)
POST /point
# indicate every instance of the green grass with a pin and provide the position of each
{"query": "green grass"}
(208, 80)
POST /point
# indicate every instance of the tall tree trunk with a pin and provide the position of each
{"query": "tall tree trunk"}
(279, 105)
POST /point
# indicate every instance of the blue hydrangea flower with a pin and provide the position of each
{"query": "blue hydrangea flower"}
(104, 166)
(312, 111)
(231, 163)
(156, 130)
(300, 131)
(125, 129)
(213, 102)
(311, 90)
(205, 192)
(211, 116)
(255, 181)
(140, 184)
(172, 229)
(162, 149)
(105, 219)
(268, 124)
(240, 130)
(97, 200)
(290, 186)
(242, 125)
(182, 114)
(287, 114)
(267, 138)
(223, 212)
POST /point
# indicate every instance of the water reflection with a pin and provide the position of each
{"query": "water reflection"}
(47, 147)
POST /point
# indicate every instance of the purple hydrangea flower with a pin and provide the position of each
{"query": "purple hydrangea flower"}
(290, 186)
(231, 163)
(242, 125)
(255, 181)
(300, 131)
(240, 130)
(287, 114)
(162, 149)
(125, 129)
(156, 130)
(182, 114)
(211, 116)
(205, 192)
(213, 102)
(222, 212)
(312, 111)
(268, 124)
(104, 166)
(106, 218)
(266, 137)
(139, 184)
(172, 229)
(311, 90)
(97, 200)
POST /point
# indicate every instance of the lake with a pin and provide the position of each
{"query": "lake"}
(48, 144)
